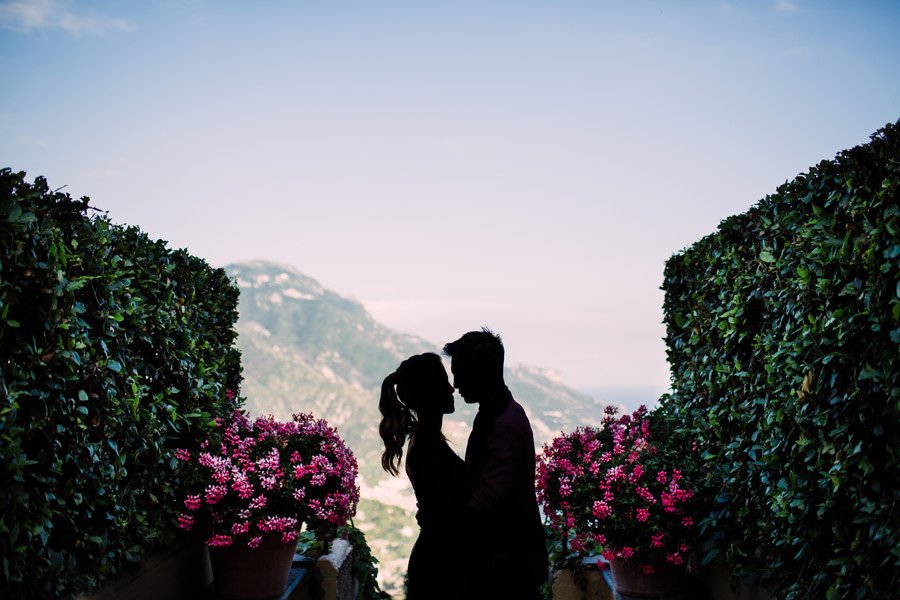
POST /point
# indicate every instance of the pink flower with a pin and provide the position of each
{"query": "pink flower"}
(214, 493)
(636, 473)
(668, 502)
(254, 542)
(240, 528)
(645, 495)
(674, 558)
(615, 473)
(271, 461)
(242, 486)
(626, 552)
(269, 482)
(609, 555)
(185, 522)
(219, 541)
(250, 466)
(610, 481)
(182, 454)
(647, 569)
(601, 510)
(279, 524)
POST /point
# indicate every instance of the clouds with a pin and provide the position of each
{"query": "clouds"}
(31, 15)
(787, 6)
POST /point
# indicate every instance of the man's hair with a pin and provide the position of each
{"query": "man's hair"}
(483, 348)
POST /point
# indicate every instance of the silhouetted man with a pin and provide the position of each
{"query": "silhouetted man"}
(508, 543)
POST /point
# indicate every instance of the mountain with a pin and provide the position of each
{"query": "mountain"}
(308, 349)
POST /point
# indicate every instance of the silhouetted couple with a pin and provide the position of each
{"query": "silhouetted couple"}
(481, 534)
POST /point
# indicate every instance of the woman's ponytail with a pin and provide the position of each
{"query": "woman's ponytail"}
(396, 423)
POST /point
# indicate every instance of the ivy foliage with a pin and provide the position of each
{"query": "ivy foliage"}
(365, 565)
(783, 335)
(114, 351)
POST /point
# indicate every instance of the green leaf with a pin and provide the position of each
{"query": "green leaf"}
(709, 556)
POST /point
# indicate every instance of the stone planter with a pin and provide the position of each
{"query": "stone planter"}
(587, 583)
(584, 585)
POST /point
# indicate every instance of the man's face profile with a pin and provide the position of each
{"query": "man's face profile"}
(462, 378)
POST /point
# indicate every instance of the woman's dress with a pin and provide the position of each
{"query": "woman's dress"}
(437, 566)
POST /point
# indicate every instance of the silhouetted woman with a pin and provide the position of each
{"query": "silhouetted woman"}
(414, 400)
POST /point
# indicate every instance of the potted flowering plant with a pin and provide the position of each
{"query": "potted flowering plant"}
(620, 488)
(256, 483)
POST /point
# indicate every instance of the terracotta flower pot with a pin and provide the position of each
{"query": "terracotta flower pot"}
(666, 581)
(243, 573)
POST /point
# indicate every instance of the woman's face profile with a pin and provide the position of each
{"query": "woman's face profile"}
(446, 393)
(438, 396)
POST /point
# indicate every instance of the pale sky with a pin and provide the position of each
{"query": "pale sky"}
(524, 165)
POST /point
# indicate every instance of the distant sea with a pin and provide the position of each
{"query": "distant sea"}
(629, 398)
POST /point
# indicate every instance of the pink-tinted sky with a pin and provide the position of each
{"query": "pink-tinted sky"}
(524, 165)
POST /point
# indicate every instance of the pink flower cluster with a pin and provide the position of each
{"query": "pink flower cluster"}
(617, 487)
(269, 478)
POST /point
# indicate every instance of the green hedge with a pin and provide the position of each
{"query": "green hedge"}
(114, 350)
(783, 334)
